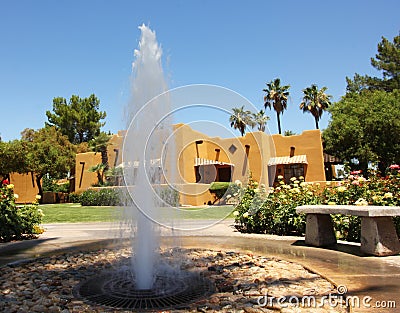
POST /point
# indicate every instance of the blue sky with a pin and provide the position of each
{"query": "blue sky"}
(59, 48)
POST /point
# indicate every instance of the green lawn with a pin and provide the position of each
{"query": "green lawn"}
(207, 213)
(75, 213)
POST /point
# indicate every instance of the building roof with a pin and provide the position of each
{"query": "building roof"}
(296, 159)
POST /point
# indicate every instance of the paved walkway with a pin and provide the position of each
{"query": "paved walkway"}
(378, 278)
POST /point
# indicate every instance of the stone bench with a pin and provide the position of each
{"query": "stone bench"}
(378, 233)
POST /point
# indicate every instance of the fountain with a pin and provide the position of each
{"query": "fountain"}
(149, 282)
(141, 150)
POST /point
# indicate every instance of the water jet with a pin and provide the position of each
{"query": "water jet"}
(149, 283)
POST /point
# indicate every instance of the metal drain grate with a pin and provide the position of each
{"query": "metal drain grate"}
(117, 290)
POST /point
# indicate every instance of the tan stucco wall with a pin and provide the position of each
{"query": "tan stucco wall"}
(308, 143)
(194, 194)
(83, 178)
(259, 152)
(114, 148)
(24, 186)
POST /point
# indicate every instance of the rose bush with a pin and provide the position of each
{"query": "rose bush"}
(273, 211)
(17, 222)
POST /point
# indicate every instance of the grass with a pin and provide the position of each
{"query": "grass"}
(75, 213)
(207, 213)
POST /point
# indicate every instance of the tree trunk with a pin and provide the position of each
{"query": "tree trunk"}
(80, 137)
(39, 186)
(279, 123)
(100, 177)
(363, 166)
(316, 124)
(104, 158)
(382, 166)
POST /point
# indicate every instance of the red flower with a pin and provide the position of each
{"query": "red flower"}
(356, 172)
(5, 182)
(394, 167)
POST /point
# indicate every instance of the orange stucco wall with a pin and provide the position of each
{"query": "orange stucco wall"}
(85, 179)
(308, 143)
(24, 186)
(250, 153)
(114, 148)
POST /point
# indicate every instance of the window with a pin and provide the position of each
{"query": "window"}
(293, 170)
(206, 174)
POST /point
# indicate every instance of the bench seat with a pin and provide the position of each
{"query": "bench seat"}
(378, 233)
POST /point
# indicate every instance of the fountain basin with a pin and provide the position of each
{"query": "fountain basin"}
(238, 280)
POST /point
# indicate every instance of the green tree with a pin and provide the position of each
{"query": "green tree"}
(27, 134)
(240, 119)
(315, 101)
(364, 126)
(50, 152)
(79, 120)
(386, 60)
(276, 96)
(260, 120)
(13, 157)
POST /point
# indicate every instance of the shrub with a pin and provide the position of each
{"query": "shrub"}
(273, 211)
(49, 184)
(100, 197)
(169, 196)
(74, 197)
(104, 196)
(224, 190)
(17, 222)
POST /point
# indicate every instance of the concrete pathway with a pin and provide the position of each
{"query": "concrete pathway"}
(372, 279)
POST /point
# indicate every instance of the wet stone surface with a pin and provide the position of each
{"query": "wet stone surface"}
(243, 282)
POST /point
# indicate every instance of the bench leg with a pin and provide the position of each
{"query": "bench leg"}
(319, 230)
(378, 236)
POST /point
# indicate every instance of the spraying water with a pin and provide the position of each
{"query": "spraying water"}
(144, 146)
(151, 173)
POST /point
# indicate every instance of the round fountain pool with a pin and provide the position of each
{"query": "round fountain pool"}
(210, 281)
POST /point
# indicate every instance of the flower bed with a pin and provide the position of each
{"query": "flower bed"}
(273, 211)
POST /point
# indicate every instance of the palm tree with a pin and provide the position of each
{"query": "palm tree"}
(276, 96)
(315, 101)
(289, 133)
(99, 169)
(100, 144)
(260, 119)
(240, 119)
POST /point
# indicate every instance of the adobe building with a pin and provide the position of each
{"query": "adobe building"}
(299, 155)
(201, 160)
